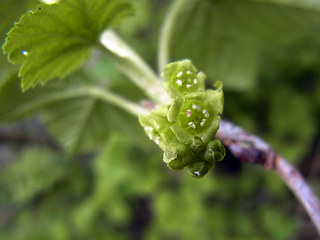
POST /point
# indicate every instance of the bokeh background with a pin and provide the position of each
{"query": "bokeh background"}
(60, 181)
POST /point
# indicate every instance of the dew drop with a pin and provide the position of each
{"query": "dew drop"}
(189, 85)
(24, 52)
(197, 173)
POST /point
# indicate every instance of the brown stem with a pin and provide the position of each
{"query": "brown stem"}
(251, 149)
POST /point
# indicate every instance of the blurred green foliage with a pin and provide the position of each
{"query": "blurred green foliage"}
(117, 187)
(65, 32)
(53, 197)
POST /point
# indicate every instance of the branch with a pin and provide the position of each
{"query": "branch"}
(251, 149)
(133, 66)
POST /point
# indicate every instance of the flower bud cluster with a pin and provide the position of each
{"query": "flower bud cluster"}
(186, 128)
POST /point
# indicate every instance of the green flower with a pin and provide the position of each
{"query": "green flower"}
(198, 115)
(157, 127)
(186, 128)
(182, 78)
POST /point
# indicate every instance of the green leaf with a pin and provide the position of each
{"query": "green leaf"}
(55, 40)
(10, 10)
(79, 122)
(223, 38)
(83, 124)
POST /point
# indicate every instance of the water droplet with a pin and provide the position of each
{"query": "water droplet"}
(189, 72)
(197, 173)
(24, 52)
(189, 85)
(195, 81)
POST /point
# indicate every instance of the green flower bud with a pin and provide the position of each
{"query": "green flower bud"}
(177, 156)
(198, 146)
(215, 151)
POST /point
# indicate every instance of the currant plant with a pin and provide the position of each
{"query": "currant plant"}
(51, 42)
(185, 129)
(55, 40)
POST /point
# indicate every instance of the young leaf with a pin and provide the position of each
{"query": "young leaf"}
(55, 40)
